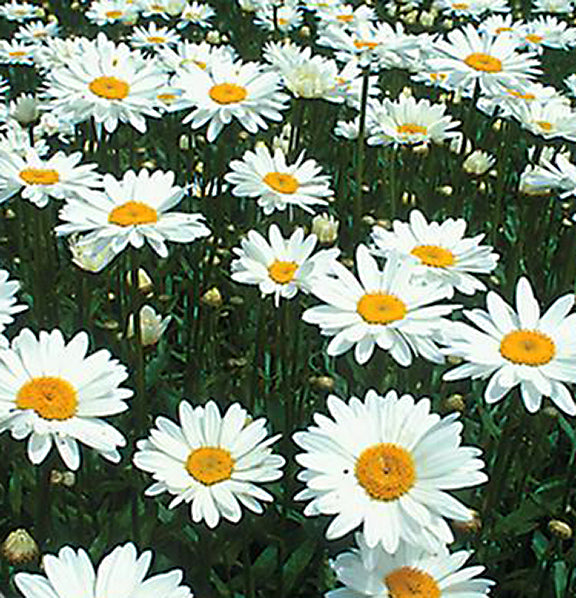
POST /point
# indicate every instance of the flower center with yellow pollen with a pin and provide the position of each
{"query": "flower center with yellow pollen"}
(167, 98)
(17, 54)
(114, 14)
(282, 272)
(381, 308)
(39, 176)
(545, 125)
(132, 213)
(362, 45)
(156, 39)
(409, 582)
(282, 182)
(434, 256)
(500, 30)
(386, 471)
(109, 88)
(50, 397)
(411, 129)
(460, 6)
(527, 347)
(535, 39)
(520, 95)
(484, 62)
(345, 18)
(228, 93)
(210, 465)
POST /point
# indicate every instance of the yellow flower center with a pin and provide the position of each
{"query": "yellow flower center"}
(282, 182)
(381, 308)
(167, 98)
(210, 465)
(156, 39)
(39, 176)
(49, 396)
(502, 30)
(484, 62)
(282, 272)
(386, 471)
(109, 88)
(17, 54)
(434, 256)
(132, 213)
(545, 125)
(535, 39)
(345, 18)
(520, 95)
(411, 129)
(228, 93)
(114, 14)
(527, 347)
(282, 22)
(408, 582)
(438, 76)
(460, 6)
(198, 63)
(157, 8)
(361, 44)
(40, 34)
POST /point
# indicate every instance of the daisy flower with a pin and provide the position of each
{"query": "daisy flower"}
(444, 257)
(384, 309)
(104, 12)
(522, 347)
(38, 179)
(196, 13)
(215, 462)
(467, 58)
(471, 8)
(496, 25)
(386, 463)
(187, 56)
(37, 32)
(345, 16)
(408, 121)
(155, 8)
(288, 17)
(546, 119)
(20, 11)
(266, 176)
(8, 307)
(231, 90)
(106, 82)
(133, 211)
(560, 176)
(16, 52)
(52, 393)
(282, 266)
(153, 37)
(547, 32)
(554, 6)
(374, 573)
(121, 573)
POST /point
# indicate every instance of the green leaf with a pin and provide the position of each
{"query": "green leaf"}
(560, 578)
(296, 565)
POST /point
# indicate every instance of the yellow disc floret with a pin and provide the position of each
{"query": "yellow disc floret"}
(132, 213)
(228, 93)
(282, 182)
(386, 471)
(381, 308)
(527, 347)
(50, 397)
(210, 465)
(484, 62)
(109, 88)
(434, 256)
(39, 176)
(409, 582)
(282, 272)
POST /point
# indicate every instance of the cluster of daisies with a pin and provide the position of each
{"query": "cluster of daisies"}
(381, 465)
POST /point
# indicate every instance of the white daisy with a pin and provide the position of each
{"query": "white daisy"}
(266, 176)
(283, 266)
(385, 463)
(385, 309)
(547, 119)
(559, 175)
(20, 11)
(215, 462)
(155, 8)
(345, 15)
(496, 25)
(468, 57)
(373, 573)
(471, 8)
(52, 393)
(285, 18)
(444, 257)
(8, 307)
(547, 32)
(408, 121)
(554, 6)
(231, 90)
(17, 52)
(133, 211)
(120, 573)
(196, 13)
(106, 82)
(38, 179)
(37, 32)
(103, 12)
(153, 37)
(523, 348)
(187, 56)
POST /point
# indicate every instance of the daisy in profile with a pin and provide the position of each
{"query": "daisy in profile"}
(52, 393)
(231, 90)
(153, 37)
(195, 13)
(468, 58)
(38, 179)
(471, 8)
(374, 573)
(553, 6)
(548, 119)
(36, 32)
(547, 32)
(266, 176)
(155, 8)
(104, 12)
(17, 52)
(133, 211)
(386, 464)
(518, 348)
(121, 572)
(556, 173)
(106, 82)
(281, 267)
(188, 56)
(384, 308)
(20, 11)
(440, 252)
(288, 17)
(408, 121)
(214, 462)
(8, 307)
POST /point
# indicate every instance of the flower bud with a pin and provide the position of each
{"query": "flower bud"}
(20, 547)
(478, 163)
(212, 297)
(325, 383)
(145, 284)
(152, 326)
(325, 227)
(472, 526)
(560, 529)
(455, 403)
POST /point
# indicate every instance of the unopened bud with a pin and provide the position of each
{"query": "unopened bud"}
(472, 526)
(560, 529)
(20, 547)
(212, 297)
(325, 227)
(325, 383)
(454, 403)
(145, 284)
(446, 190)
(305, 31)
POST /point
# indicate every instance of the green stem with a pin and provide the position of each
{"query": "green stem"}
(361, 150)
(136, 305)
